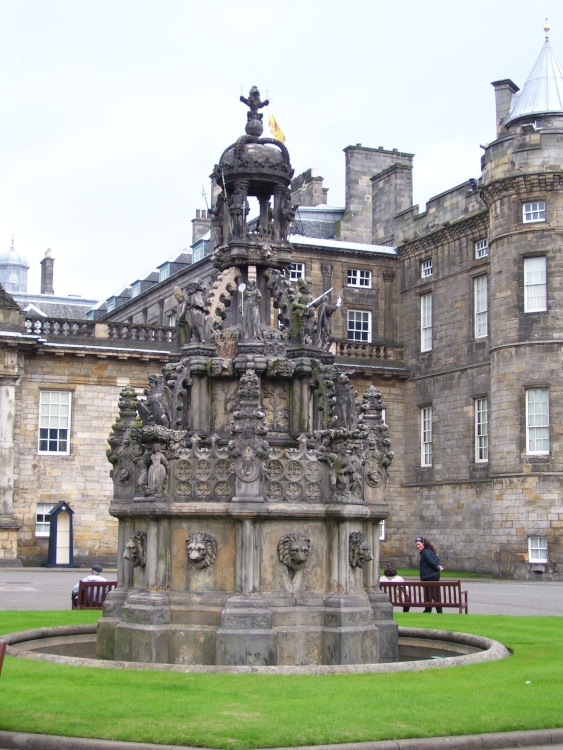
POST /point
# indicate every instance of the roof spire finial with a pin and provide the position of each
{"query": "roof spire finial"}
(546, 28)
(12, 240)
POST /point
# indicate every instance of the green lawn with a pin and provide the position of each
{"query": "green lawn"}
(247, 711)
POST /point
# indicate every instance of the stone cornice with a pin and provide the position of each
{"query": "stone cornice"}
(443, 235)
(101, 352)
(523, 184)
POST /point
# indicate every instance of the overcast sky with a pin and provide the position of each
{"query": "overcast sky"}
(115, 111)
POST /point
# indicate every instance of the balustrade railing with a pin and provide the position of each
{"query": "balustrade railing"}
(364, 351)
(166, 336)
(89, 329)
(135, 332)
(50, 327)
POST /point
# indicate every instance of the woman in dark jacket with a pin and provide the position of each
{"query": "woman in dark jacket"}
(430, 569)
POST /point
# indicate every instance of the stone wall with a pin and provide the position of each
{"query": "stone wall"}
(81, 478)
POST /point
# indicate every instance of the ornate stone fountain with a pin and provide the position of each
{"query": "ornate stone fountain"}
(250, 483)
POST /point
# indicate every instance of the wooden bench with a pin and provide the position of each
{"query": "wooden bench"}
(417, 594)
(2, 654)
(92, 594)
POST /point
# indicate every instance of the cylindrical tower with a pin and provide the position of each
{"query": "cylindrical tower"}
(522, 185)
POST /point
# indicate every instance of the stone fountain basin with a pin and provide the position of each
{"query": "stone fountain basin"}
(419, 649)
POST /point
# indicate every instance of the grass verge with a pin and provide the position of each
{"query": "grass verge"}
(249, 711)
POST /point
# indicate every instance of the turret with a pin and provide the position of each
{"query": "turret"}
(13, 271)
(522, 185)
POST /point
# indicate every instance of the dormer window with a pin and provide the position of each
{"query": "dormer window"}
(532, 212)
(163, 273)
(426, 268)
(136, 289)
(110, 304)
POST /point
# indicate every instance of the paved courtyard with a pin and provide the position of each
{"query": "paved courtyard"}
(49, 588)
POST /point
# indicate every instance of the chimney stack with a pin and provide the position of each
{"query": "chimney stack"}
(201, 224)
(504, 90)
(47, 265)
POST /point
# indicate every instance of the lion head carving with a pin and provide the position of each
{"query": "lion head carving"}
(202, 549)
(359, 550)
(293, 550)
(136, 550)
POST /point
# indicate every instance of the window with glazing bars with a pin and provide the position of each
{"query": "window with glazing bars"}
(481, 248)
(481, 430)
(537, 549)
(534, 211)
(426, 436)
(480, 305)
(359, 326)
(535, 284)
(537, 421)
(426, 322)
(54, 421)
(296, 271)
(357, 277)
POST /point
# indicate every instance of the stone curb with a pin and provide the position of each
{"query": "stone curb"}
(495, 741)
(490, 651)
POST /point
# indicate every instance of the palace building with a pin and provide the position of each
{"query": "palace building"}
(454, 314)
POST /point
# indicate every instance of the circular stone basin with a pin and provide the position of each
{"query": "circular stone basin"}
(419, 649)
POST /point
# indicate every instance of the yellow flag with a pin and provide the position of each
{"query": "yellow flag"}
(275, 129)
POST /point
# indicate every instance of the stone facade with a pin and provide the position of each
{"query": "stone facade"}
(93, 372)
(479, 513)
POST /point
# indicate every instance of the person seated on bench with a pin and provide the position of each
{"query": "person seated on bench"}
(390, 576)
(430, 569)
(94, 576)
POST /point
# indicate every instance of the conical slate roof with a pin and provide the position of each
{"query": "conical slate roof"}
(543, 91)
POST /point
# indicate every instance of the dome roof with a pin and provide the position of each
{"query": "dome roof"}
(13, 258)
(257, 160)
(542, 93)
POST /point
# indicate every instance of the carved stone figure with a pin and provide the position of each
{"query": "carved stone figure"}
(182, 326)
(251, 315)
(303, 315)
(136, 550)
(359, 550)
(202, 550)
(238, 209)
(346, 409)
(323, 336)
(286, 216)
(155, 409)
(254, 124)
(157, 478)
(195, 316)
(342, 470)
(293, 550)
(218, 219)
(280, 287)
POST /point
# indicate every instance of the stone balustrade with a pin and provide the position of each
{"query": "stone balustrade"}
(135, 332)
(55, 327)
(364, 351)
(89, 329)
